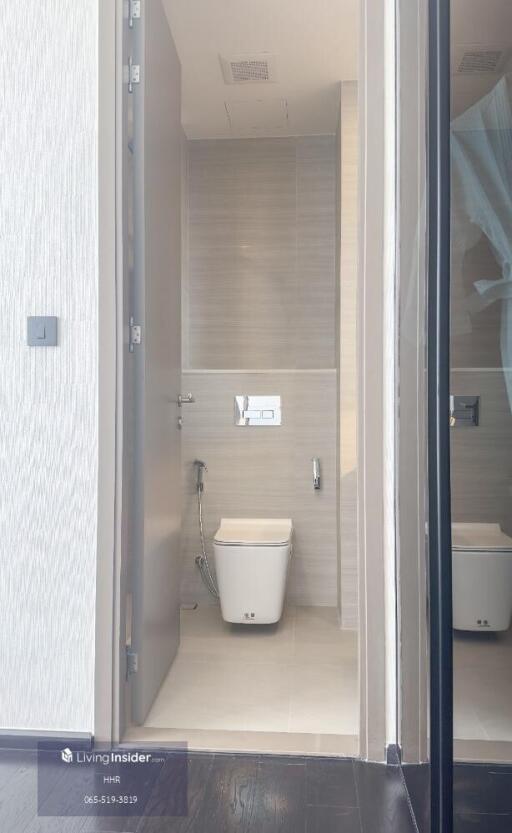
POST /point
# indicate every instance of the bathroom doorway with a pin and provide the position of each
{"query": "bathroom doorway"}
(241, 360)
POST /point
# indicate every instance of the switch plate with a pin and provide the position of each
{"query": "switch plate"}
(464, 411)
(42, 331)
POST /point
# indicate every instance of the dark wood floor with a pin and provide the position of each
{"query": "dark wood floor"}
(482, 797)
(228, 793)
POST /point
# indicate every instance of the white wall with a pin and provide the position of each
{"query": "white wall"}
(48, 397)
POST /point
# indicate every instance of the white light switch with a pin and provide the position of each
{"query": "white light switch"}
(42, 331)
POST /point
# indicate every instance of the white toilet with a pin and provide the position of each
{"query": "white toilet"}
(251, 561)
(482, 577)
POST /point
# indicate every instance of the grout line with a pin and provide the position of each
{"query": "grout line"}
(505, 369)
(262, 370)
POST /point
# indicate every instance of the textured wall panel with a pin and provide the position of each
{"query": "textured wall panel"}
(265, 472)
(481, 461)
(261, 269)
(260, 293)
(48, 397)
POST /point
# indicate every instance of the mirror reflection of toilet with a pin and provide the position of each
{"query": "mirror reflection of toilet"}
(482, 577)
(251, 562)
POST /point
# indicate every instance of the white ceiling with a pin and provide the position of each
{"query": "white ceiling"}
(315, 44)
(482, 24)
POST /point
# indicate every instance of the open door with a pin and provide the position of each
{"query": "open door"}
(152, 219)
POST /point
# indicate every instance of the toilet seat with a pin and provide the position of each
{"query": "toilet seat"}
(254, 532)
(252, 557)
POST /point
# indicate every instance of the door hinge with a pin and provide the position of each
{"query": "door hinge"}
(135, 334)
(132, 661)
(134, 12)
(133, 74)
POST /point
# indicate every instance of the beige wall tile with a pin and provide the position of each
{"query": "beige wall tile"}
(261, 266)
(261, 294)
(481, 462)
(475, 336)
(265, 472)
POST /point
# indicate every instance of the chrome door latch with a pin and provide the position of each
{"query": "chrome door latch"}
(185, 399)
(135, 334)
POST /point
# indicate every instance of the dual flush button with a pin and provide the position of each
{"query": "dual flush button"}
(257, 410)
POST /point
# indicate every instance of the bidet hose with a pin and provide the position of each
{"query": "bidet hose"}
(202, 560)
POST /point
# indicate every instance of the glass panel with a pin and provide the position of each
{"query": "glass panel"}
(481, 405)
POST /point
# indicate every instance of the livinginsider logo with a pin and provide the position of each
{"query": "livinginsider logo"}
(105, 758)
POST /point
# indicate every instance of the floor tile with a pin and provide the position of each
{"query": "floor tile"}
(483, 686)
(280, 796)
(470, 823)
(471, 789)
(417, 780)
(382, 799)
(298, 677)
(324, 699)
(272, 743)
(244, 794)
(333, 820)
(483, 823)
(234, 695)
(330, 783)
(199, 771)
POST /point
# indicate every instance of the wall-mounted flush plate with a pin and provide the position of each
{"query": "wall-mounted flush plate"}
(42, 331)
(257, 410)
(464, 411)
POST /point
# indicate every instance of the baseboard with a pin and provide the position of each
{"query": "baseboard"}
(30, 740)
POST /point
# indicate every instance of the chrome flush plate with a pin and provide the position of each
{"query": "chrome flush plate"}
(257, 410)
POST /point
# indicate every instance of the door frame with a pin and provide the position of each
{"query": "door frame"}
(110, 376)
(377, 561)
(411, 411)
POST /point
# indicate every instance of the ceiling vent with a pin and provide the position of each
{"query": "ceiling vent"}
(249, 69)
(478, 60)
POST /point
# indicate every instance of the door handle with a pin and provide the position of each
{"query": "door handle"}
(185, 399)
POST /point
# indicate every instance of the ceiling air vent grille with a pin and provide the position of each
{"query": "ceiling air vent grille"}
(249, 69)
(478, 61)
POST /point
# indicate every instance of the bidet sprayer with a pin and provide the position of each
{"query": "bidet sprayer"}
(201, 468)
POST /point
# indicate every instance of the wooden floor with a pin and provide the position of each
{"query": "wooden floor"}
(482, 797)
(228, 794)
